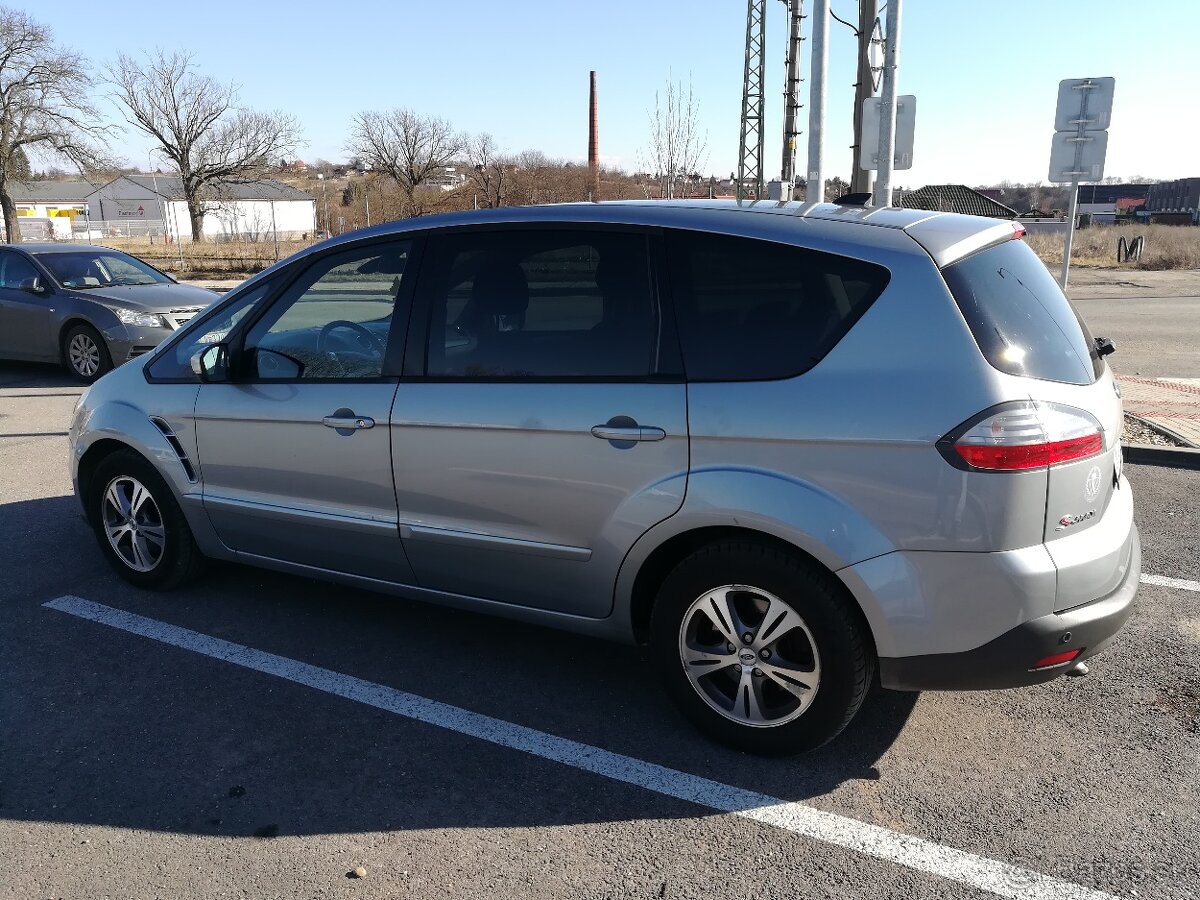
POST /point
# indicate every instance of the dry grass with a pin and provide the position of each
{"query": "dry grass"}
(205, 259)
(1167, 246)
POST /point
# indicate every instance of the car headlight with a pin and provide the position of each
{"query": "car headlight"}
(139, 319)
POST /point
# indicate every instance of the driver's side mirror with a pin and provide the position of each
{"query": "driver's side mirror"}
(31, 285)
(212, 363)
(172, 276)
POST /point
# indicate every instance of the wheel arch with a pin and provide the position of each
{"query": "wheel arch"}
(731, 503)
(70, 322)
(91, 459)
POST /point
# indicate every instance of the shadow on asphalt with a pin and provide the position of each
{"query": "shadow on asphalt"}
(36, 375)
(98, 726)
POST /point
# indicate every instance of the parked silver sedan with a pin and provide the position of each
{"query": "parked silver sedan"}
(90, 308)
(795, 449)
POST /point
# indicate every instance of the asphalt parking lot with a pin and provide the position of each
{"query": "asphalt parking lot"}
(261, 735)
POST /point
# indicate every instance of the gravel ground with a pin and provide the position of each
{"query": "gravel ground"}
(1136, 432)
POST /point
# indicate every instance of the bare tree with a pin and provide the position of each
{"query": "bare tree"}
(491, 170)
(199, 126)
(404, 146)
(677, 146)
(45, 107)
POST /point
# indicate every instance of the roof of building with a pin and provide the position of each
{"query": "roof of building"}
(956, 198)
(50, 191)
(170, 187)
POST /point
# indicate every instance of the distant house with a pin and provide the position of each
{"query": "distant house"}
(234, 210)
(47, 208)
(955, 198)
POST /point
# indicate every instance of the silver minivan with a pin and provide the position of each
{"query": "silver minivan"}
(794, 449)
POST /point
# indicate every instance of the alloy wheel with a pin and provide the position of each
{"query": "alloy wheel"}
(133, 523)
(749, 655)
(84, 355)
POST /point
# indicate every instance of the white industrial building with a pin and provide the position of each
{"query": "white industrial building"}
(46, 209)
(234, 210)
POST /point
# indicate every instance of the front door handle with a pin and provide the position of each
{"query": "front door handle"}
(628, 433)
(345, 419)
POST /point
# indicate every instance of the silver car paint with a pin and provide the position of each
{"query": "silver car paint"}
(506, 493)
(278, 483)
(857, 484)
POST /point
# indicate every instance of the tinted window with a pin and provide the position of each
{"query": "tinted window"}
(1020, 318)
(335, 321)
(92, 269)
(15, 270)
(750, 309)
(541, 305)
(175, 361)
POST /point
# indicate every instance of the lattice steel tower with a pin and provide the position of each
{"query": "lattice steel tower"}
(750, 156)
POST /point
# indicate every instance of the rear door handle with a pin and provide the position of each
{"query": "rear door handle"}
(348, 422)
(628, 433)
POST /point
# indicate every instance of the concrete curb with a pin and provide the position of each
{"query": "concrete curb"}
(1150, 455)
(1166, 432)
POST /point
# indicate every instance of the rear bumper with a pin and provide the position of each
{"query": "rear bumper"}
(1005, 661)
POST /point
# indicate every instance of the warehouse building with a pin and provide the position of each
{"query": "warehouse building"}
(234, 210)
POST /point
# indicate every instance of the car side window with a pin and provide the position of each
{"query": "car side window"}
(540, 304)
(175, 362)
(16, 270)
(334, 322)
(756, 310)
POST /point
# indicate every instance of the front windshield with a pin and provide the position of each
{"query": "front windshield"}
(80, 269)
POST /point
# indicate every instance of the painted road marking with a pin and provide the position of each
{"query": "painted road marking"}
(1181, 583)
(841, 831)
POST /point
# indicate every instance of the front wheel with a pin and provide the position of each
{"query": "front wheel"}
(759, 648)
(139, 525)
(85, 354)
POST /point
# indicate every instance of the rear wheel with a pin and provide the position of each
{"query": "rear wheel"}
(759, 648)
(85, 354)
(139, 525)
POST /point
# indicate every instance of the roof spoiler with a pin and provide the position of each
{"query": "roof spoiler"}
(949, 238)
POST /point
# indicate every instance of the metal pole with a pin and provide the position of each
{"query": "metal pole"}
(367, 198)
(887, 107)
(791, 101)
(275, 231)
(816, 108)
(1066, 266)
(868, 12)
(157, 196)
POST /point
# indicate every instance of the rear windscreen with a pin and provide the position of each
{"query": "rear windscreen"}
(1020, 318)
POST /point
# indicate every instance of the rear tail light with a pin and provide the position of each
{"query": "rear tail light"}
(1018, 231)
(1027, 434)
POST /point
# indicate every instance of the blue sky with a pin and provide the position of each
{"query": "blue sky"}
(985, 74)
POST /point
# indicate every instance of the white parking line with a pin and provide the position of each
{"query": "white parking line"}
(1162, 581)
(916, 853)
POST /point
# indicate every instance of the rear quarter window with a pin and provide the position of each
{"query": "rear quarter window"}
(751, 310)
(1021, 320)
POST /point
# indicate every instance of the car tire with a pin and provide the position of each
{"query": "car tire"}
(139, 525)
(85, 354)
(785, 667)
